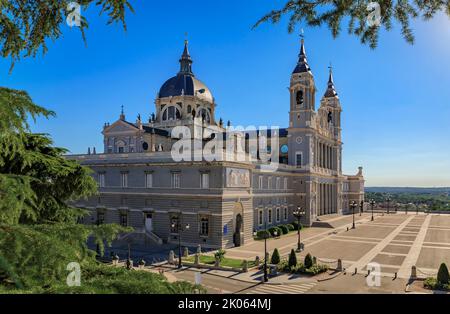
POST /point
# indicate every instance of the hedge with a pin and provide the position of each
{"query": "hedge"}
(273, 229)
(284, 229)
(296, 225)
(263, 234)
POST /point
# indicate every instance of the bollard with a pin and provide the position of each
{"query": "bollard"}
(199, 249)
(257, 261)
(245, 266)
(413, 272)
(186, 252)
(368, 272)
(339, 265)
(395, 276)
(197, 259)
(217, 262)
(171, 260)
(356, 271)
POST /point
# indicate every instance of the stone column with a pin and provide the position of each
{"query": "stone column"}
(329, 157)
(328, 199)
(323, 199)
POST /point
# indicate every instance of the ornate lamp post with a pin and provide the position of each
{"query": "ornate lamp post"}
(353, 206)
(372, 204)
(266, 236)
(388, 201)
(266, 278)
(180, 229)
(298, 214)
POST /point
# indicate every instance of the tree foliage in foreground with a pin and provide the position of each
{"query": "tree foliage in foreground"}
(26, 25)
(36, 181)
(39, 234)
(333, 13)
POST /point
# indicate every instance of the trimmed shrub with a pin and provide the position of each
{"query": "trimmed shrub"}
(283, 265)
(263, 234)
(272, 231)
(284, 229)
(308, 261)
(220, 254)
(275, 260)
(313, 270)
(290, 227)
(292, 259)
(297, 226)
(443, 276)
(430, 283)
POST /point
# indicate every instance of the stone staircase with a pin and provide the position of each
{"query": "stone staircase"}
(142, 237)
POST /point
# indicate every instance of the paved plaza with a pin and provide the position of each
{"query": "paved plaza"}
(396, 242)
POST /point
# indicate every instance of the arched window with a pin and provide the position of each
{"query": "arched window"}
(300, 97)
(204, 114)
(171, 113)
(120, 146)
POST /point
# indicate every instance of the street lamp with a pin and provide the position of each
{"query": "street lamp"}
(266, 278)
(372, 204)
(388, 200)
(298, 214)
(180, 229)
(353, 205)
(266, 236)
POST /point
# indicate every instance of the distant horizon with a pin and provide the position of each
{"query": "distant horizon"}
(409, 187)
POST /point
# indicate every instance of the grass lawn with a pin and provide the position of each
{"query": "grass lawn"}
(227, 262)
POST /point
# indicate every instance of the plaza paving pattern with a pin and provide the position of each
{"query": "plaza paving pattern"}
(396, 242)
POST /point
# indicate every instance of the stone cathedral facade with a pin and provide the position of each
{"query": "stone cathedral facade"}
(220, 203)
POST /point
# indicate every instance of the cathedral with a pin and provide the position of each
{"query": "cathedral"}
(221, 203)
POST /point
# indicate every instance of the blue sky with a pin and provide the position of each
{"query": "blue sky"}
(396, 99)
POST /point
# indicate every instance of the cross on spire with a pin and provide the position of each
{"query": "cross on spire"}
(122, 114)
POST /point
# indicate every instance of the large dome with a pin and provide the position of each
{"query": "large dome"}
(185, 84)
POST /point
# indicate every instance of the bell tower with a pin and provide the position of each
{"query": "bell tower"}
(302, 90)
(330, 108)
(302, 115)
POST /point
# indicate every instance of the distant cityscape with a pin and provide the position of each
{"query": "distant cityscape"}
(435, 199)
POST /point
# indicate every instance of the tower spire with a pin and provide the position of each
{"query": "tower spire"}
(331, 90)
(186, 61)
(302, 64)
(122, 114)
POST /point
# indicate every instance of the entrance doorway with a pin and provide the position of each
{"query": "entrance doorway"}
(238, 231)
(149, 222)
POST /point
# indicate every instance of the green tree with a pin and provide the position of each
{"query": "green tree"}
(275, 260)
(334, 13)
(308, 261)
(39, 234)
(443, 276)
(292, 259)
(37, 182)
(27, 25)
